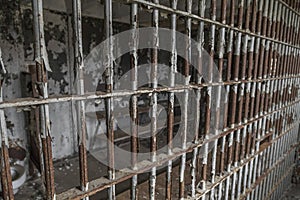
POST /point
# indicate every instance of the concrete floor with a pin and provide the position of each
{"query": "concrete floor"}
(32, 189)
(67, 176)
(293, 193)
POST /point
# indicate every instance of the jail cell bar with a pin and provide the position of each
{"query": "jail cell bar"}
(256, 47)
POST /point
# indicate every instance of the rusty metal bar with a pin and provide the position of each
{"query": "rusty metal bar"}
(186, 72)
(238, 102)
(256, 94)
(270, 87)
(208, 102)
(171, 98)
(42, 65)
(218, 97)
(134, 111)
(200, 40)
(25, 102)
(6, 181)
(154, 80)
(109, 102)
(261, 93)
(229, 121)
(243, 117)
(80, 107)
(221, 52)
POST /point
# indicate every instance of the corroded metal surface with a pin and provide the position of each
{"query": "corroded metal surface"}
(78, 68)
(42, 65)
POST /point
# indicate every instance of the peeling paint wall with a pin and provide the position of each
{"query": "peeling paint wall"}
(11, 42)
(16, 41)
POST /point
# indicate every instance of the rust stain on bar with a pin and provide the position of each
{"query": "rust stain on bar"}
(109, 105)
(42, 76)
(171, 101)
(134, 110)
(80, 107)
(7, 188)
(154, 80)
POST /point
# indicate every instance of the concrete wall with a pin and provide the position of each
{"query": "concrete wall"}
(16, 42)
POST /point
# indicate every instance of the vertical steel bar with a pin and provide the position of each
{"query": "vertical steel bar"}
(6, 180)
(42, 65)
(262, 67)
(218, 101)
(245, 139)
(108, 26)
(259, 101)
(134, 109)
(243, 77)
(171, 100)
(288, 60)
(154, 63)
(267, 65)
(266, 88)
(208, 96)
(228, 120)
(277, 70)
(200, 38)
(272, 74)
(221, 44)
(250, 93)
(80, 109)
(188, 30)
(239, 101)
(256, 95)
(281, 62)
(273, 68)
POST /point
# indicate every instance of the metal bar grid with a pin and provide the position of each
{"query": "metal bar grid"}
(252, 156)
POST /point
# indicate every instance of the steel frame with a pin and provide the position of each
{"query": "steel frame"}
(252, 157)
